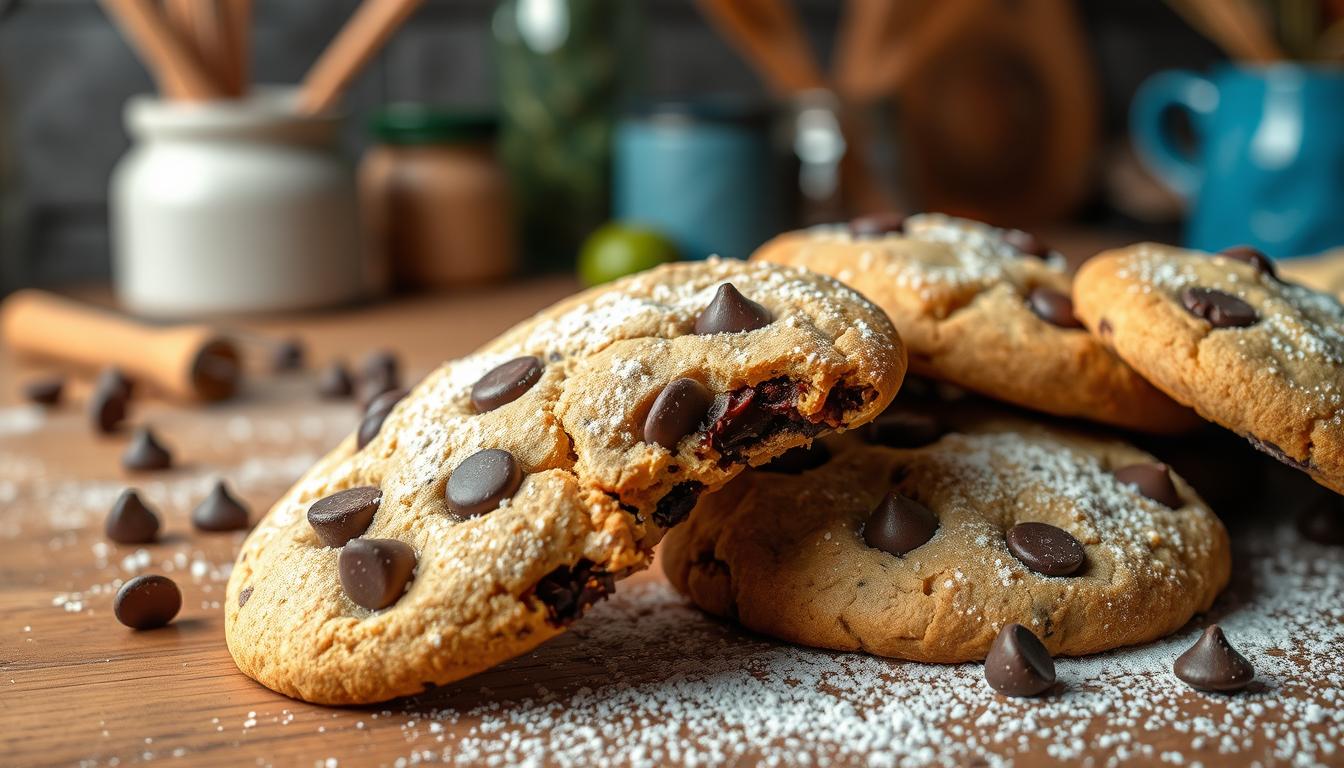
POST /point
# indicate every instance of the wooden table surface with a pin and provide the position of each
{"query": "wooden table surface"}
(644, 679)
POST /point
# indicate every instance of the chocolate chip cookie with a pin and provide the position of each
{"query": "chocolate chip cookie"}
(926, 553)
(474, 517)
(986, 309)
(1222, 333)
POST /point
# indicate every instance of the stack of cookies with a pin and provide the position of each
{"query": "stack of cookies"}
(475, 517)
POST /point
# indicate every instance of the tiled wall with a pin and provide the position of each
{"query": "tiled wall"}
(64, 74)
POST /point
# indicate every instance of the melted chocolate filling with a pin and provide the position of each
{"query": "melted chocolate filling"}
(677, 504)
(752, 414)
(569, 590)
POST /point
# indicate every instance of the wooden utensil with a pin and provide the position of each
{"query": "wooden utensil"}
(361, 38)
(771, 38)
(177, 68)
(190, 362)
(1233, 26)
(236, 28)
(881, 70)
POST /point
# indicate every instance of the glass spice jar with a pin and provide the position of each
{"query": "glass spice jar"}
(435, 199)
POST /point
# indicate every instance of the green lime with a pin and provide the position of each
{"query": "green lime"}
(614, 250)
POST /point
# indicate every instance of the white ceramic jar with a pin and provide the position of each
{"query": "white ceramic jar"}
(235, 207)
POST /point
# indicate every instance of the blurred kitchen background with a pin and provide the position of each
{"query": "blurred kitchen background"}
(491, 139)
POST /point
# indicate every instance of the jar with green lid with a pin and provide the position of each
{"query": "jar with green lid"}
(435, 198)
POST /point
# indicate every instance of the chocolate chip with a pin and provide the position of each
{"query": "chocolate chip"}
(796, 461)
(44, 391)
(1046, 549)
(877, 224)
(1053, 307)
(731, 312)
(677, 412)
(899, 525)
(145, 452)
(288, 356)
(107, 409)
(220, 512)
(130, 521)
(568, 591)
(1026, 242)
(1018, 663)
(376, 413)
(1222, 310)
(1105, 329)
(677, 503)
(1323, 522)
(335, 383)
(482, 481)
(381, 364)
(505, 383)
(344, 515)
(1212, 664)
(1253, 256)
(113, 379)
(1152, 480)
(749, 414)
(374, 572)
(244, 596)
(147, 601)
(903, 429)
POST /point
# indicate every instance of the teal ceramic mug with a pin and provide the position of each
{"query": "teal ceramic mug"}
(1267, 164)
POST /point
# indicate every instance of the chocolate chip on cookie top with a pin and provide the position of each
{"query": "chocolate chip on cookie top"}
(877, 225)
(677, 412)
(482, 481)
(1046, 549)
(340, 517)
(899, 525)
(1054, 307)
(506, 382)
(1248, 255)
(375, 572)
(1152, 480)
(1222, 310)
(375, 414)
(731, 312)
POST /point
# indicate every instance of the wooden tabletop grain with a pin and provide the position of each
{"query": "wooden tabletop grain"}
(76, 687)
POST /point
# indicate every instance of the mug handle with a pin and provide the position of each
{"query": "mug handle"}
(1157, 147)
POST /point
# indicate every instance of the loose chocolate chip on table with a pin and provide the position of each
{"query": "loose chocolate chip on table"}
(344, 515)
(1222, 310)
(147, 601)
(677, 412)
(1212, 664)
(903, 429)
(731, 312)
(288, 356)
(1253, 256)
(899, 525)
(335, 383)
(376, 413)
(381, 365)
(107, 409)
(130, 521)
(244, 596)
(220, 512)
(482, 481)
(1152, 480)
(114, 379)
(1053, 307)
(877, 224)
(146, 452)
(1046, 549)
(505, 383)
(568, 591)
(1018, 663)
(1026, 242)
(1323, 522)
(796, 461)
(374, 572)
(44, 391)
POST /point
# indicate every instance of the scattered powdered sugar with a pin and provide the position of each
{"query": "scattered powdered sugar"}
(664, 685)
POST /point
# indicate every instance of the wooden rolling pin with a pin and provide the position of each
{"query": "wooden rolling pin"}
(190, 362)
